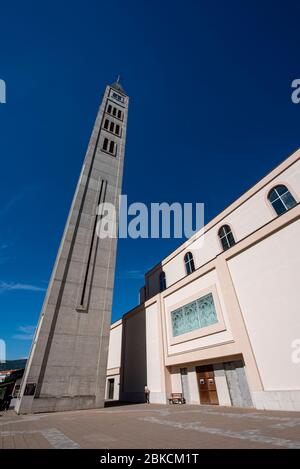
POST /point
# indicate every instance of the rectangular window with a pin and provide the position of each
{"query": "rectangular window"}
(118, 97)
(117, 129)
(111, 147)
(114, 111)
(106, 123)
(105, 144)
(195, 315)
(112, 125)
(109, 108)
(119, 114)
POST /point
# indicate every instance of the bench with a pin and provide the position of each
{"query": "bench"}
(176, 398)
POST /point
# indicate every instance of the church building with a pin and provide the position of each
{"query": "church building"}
(219, 318)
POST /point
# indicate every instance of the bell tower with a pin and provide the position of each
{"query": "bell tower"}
(66, 369)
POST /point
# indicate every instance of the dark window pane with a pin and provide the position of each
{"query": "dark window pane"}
(109, 108)
(273, 196)
(111, 126)
(162, 281)
(281, 189)
(119, 114)
(106, 123)
(189, 263)
(117, 129)
(111, 146)
(105, 144)
(279, 207)
(289, 200)
(225, 244)
(222, 232)
(226, 237)
(231, 240)
(114, 111)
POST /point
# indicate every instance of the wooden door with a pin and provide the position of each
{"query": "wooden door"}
(207, 385)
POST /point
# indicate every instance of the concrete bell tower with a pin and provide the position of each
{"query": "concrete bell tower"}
(66, 369)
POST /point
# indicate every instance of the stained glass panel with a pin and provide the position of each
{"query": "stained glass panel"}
(195, 315)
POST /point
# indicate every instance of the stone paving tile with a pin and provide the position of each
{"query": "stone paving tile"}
(152, 426)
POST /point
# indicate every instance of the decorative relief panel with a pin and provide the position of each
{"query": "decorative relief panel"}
(195, 315)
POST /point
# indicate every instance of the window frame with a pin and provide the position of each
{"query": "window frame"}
(106, 147)
(189, 263)
(162, 281)
(105, 144)
(112, 147)
(198, 333)
(229, 245)
(288, 190)
(111, 108)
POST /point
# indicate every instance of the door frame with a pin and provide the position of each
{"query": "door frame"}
(211, 389)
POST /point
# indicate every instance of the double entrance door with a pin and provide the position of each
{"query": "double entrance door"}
(207, 385)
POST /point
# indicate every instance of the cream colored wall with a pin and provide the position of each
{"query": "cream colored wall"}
(193, 385)
(266, 280)
(155, 355)
(244, 219)
(115, 341)
(176, 379)
(257, 287)
(116, 387)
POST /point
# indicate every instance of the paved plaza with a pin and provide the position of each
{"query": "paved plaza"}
(152, 426)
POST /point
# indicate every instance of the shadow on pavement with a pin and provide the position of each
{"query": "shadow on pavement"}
(120, 403)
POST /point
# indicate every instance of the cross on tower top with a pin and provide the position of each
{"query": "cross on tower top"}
(117, 85)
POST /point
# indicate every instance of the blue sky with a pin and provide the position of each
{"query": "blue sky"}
(210, 114)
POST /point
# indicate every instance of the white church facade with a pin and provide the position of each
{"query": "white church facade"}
(219, 318)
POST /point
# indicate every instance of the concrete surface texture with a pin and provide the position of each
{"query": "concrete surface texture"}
(152, 426)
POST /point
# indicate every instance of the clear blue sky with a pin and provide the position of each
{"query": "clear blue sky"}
(210, 114)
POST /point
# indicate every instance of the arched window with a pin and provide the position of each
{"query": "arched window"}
(162, 281)
(189, 263)
(281, 199)
(226, 237)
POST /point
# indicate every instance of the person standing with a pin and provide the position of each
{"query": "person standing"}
(147, 394)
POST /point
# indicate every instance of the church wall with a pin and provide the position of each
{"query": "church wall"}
(256, 295)
(220, 334)
(115, 340)
(266, 280)
(245, 216)
(155, 355)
